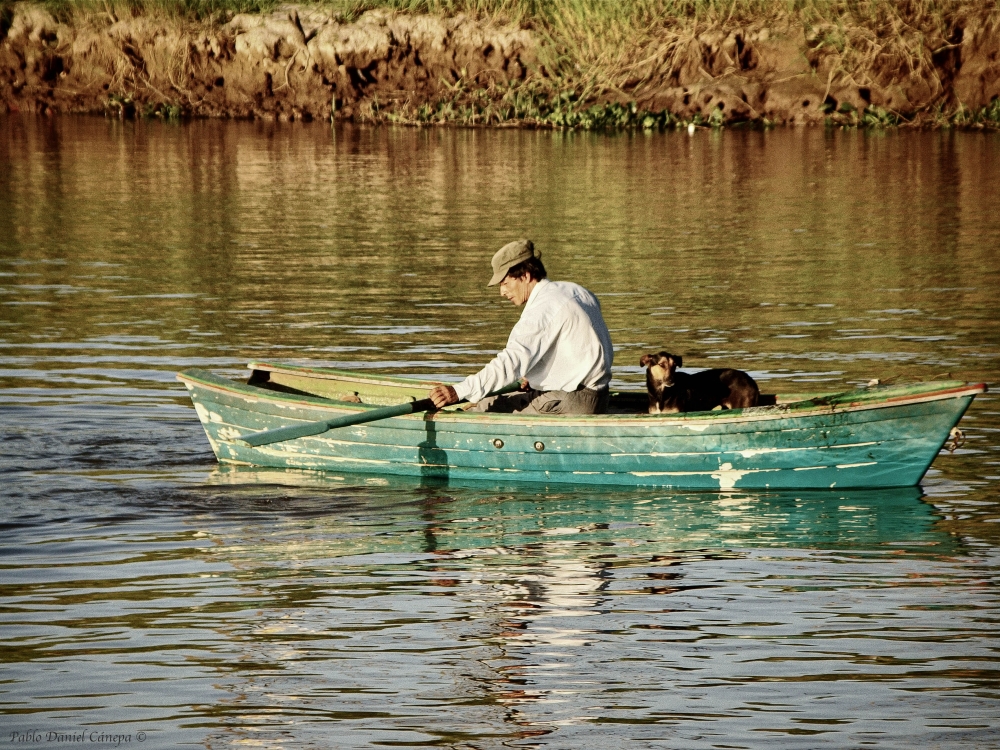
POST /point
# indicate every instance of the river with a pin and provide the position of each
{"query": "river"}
(153, 598)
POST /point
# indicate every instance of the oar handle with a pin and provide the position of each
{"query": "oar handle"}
(317, 428)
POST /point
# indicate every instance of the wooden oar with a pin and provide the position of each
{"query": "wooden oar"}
(281, 434)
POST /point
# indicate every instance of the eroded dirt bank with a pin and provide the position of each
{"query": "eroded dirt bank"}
(301, 63)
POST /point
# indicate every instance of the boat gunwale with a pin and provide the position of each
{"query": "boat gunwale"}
(791, 410)
(348, 376)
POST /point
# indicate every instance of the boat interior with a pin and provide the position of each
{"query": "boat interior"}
(353, 387)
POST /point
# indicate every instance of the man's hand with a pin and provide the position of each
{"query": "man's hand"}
(443, 395)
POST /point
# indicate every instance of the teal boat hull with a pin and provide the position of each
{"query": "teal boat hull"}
(883, 437)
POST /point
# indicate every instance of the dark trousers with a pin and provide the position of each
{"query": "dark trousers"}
(582, 401)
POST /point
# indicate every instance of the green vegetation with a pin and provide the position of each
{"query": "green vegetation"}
(531, 105)
(988, 116)
(124, 108)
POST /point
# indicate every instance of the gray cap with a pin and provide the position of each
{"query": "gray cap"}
(509, 256)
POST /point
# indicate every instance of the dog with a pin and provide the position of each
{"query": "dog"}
(671, 391)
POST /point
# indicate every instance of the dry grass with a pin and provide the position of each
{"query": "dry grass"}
(877, 41)
(78, 10)
(607, 45)
(598, 46)
(600, 50)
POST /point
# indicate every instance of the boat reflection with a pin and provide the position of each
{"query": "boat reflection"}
(480, 516)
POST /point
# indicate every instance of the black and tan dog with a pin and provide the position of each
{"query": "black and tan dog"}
(672, 391)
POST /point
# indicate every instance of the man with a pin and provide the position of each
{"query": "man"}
(560, 350)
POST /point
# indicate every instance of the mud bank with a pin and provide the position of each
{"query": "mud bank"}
(303, 63)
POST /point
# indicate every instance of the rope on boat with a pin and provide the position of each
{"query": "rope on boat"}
(956, 439)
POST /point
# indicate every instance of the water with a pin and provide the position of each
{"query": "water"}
(147, 590)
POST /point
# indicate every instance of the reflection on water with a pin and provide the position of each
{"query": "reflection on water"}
(475, 516)
(293, 607)
(147, 589)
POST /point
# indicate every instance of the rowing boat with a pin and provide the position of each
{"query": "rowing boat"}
(881, 436)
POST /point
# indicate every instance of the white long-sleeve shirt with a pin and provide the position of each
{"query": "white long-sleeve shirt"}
(560, 344)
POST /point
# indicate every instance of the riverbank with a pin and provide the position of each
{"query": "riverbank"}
(911, 64)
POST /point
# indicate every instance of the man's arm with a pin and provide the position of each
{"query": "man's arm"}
(528, 343)
(529, 340)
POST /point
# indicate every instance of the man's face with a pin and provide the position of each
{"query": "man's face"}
(516, 290)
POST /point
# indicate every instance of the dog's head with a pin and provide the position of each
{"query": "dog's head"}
(661, 366)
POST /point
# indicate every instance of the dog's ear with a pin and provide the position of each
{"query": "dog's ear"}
(678, 361)
(647, 360)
